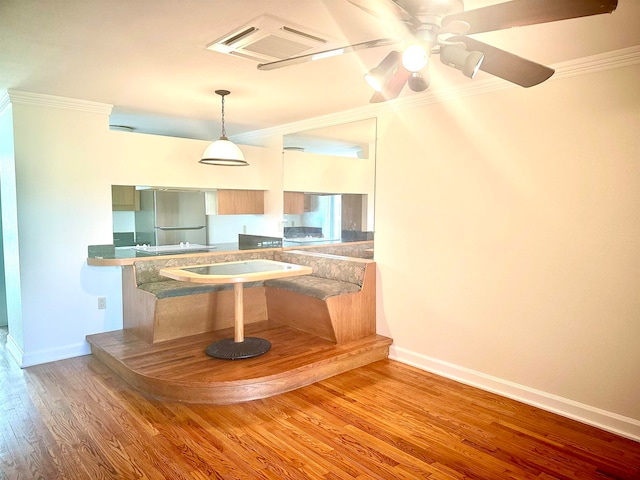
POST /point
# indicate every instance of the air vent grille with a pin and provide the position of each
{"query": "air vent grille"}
(276, 47)
(239, 36)
(303, 34)
(269, 38)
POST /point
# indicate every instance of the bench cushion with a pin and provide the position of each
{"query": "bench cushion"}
(175, 288)
(318, 287)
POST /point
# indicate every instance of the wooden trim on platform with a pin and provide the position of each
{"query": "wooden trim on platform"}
(179, 370)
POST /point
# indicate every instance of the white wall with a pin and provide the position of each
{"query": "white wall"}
(10, 304)
(311, 172)
(66, 161)
(508, 242)
(123, 221)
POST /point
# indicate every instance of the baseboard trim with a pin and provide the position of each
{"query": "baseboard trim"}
(14, 349)
(55, 354)
(605, 420)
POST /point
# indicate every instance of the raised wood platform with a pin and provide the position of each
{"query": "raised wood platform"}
(180, 370)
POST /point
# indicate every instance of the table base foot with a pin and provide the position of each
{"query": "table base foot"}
(228, 349)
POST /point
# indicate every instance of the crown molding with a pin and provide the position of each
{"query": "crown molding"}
(5, 101)
(596, 63)
(40, 99)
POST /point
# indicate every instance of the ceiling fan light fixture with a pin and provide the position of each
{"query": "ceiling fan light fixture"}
(223, 152)
(458, 57)
(415, 57)
(473, 64)
(378, 77)
(419, 81)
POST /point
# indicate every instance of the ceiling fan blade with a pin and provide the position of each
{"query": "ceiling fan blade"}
(517, 13)
(506, 65)
(381, 42)
(393, 88)
(385, 10)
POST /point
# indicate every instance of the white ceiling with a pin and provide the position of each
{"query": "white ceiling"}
(148, 58)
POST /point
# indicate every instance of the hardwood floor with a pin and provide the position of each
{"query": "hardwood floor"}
(76, 419)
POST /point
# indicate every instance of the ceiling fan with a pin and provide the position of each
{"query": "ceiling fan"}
(441, 27)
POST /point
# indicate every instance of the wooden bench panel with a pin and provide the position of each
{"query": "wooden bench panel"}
(340, 318)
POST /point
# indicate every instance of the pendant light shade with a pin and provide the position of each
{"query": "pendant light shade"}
(223, 151)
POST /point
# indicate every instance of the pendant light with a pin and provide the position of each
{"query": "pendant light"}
(223, 151)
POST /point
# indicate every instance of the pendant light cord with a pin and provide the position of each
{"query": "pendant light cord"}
(224, 132)
(223, 151)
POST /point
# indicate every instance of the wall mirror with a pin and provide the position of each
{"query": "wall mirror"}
(328, 182)
(171, 216)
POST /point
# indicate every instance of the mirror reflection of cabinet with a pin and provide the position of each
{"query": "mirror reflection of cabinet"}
(124, 198)
(326, 216)
(235, 202)
(353, 207)
(294, 203)
(335, 166)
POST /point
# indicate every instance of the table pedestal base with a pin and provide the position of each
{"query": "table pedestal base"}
(229, 349)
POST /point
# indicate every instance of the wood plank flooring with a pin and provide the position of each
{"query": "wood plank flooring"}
(180, 370)
(76, 419)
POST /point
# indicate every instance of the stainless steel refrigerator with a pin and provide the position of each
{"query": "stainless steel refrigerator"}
(171, 217)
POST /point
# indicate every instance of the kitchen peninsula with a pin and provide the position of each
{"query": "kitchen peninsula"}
(110, 255)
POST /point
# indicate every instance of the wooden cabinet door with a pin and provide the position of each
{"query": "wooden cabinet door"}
(240, 202)
(124, 197)
(294, 202)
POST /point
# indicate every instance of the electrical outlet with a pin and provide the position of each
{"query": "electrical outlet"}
(102, 303)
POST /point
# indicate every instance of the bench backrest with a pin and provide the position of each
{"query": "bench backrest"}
(334, 267)
(355, 249)
(148, 271)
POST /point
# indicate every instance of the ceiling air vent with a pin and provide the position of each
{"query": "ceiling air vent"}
(268, 39)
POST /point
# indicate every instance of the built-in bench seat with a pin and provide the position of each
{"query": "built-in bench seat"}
(157, 308)
(318, 287)
(335, 302)
(148, 271)
(332, 274)
(176, 288)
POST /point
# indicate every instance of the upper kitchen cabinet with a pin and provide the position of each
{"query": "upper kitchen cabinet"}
(125, 198)
(294, 203)
(235, 202)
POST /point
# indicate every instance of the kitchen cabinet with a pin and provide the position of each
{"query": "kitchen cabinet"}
(235, 202)
(353, 208)
(294, 203)
(125, 198)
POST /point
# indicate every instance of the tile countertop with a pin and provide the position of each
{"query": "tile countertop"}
(108, 255)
